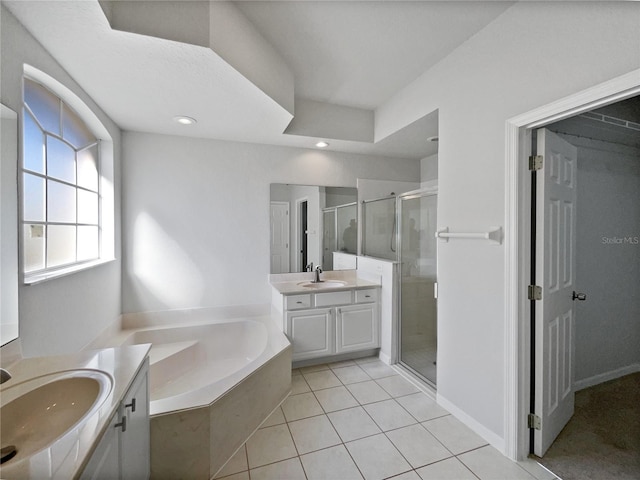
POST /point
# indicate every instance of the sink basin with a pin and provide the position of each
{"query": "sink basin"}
(41, 410)
(324, 284)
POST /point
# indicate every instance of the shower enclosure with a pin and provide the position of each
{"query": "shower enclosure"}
(340, 232)
(418, 284)
(402, 229)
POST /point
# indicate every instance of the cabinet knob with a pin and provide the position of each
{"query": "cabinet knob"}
(367, 296)
(122, 424)
(132, 405)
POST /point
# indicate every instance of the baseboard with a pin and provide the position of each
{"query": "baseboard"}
(494, 439)
(605, 377)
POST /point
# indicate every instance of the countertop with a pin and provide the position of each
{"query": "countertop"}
(67, 456)
(289, 283)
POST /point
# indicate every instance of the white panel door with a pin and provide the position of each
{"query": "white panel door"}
(555, 273)
(279, 237)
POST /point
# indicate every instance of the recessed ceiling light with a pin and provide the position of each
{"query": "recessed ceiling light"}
(322, 144)
(183, 120)
(432, 139)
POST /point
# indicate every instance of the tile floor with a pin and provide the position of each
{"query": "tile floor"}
(361, 420)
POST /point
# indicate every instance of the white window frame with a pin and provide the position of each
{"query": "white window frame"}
(106, 212)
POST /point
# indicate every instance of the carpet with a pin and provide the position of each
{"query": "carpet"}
(602, 440)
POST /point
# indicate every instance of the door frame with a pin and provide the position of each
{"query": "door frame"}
(517, 249)
(299, 232)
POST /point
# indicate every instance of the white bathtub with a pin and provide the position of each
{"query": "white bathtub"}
(193, 365)
(215, 376)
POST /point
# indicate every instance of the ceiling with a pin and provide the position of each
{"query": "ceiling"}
(241, 67)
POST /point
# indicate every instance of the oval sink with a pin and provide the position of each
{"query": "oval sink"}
(324, 284)
(48, 407)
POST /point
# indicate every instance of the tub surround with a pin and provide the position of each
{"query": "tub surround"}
(196, 430)
(67, 456)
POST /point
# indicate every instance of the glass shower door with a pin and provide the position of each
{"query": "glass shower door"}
(329, 240)
(418, 268)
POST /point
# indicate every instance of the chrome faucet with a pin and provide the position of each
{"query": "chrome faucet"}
(4, 375)
(318, 272)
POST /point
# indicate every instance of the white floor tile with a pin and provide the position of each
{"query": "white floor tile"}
(450, 469)
(313, 433)
(238, 476)
(276, 418)
(489, 464)
(236, 464)
(353, 423)
(289, 470)
(454, 435)
(362, 361)
(412, 475)
(299, 385)
(330, 464)
(418, 446)
(337, 398)
(269, 445)
(378, 370)
(314, 368)
(323, 379)
(344, 363)
(351, 374)
(422, 407)
(368, 392)
(388, 414)
(397, 386)
(537, 470)
(300, 406)
(377, 458)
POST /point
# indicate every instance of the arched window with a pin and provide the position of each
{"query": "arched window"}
(62, 198)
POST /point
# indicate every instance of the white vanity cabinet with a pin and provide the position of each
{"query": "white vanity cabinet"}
(330, 323)
(123, 451)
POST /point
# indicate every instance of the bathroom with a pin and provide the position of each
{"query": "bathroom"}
(197, 209)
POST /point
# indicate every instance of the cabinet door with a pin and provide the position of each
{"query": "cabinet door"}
(357, 328)
(311, 333)
(134, 441)
(105, 461)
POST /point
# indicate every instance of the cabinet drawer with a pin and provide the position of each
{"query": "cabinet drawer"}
(333, 298)
(293, 302)
(367, 295)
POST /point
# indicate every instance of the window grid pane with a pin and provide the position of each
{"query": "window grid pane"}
(61, 199)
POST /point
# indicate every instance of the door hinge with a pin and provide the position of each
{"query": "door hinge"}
(535, 162)
(533, 421)
(534, 292)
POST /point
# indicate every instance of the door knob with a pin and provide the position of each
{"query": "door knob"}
(579, 296)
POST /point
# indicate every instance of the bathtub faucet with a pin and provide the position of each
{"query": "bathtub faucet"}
(318, 272)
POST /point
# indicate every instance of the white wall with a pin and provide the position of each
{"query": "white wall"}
(66, 313)
(608, 261)
(196, 214)
(533, 54)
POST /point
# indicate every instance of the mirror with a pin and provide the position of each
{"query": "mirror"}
(309, 223)
(8, 226)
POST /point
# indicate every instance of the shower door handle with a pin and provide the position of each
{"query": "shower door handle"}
(579, 296)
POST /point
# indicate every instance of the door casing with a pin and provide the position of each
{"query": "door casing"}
(517, 249)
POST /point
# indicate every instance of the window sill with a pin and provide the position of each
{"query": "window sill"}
(36, 278)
